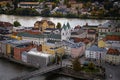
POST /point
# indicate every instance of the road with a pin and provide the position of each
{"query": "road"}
(113, 70)
(110, 69)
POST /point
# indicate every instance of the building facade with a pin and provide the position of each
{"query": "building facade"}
(94, 52)
(43, 24)
(113, 56)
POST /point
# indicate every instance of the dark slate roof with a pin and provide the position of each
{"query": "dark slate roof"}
(52, 41)
(96, 48)
(112, 23)
(50, 29)
(25, 34)
(113, 33)
(54, 36)
(74, 33)
(71, 43)
(68, 25)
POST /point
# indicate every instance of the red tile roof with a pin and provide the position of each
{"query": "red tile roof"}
(113, 37)
(113, 51)
(77, 27)
(85, 40)
(5, 24)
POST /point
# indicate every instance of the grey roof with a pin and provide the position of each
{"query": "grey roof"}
(54, 36)
(66, 26)
(111, 24)
(71, 44)
(96, 48)
(25, 34)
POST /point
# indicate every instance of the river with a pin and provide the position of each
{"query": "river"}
(29, 21)
(9, 69)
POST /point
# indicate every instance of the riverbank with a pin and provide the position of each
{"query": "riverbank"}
(81, 74)
(69, 17)
(24, 20)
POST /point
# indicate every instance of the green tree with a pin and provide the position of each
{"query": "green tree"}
(58, 25)
(65, 2)
(91, 66)
(15, 3)
(45, 12)
(40, 0)
(76, 64)
(16, 24)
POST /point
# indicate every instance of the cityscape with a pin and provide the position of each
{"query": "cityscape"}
(59, 40)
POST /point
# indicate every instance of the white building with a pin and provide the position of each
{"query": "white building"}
(65, 32)
(94, 52)
(28, 4)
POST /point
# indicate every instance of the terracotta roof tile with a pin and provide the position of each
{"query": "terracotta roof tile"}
(5, 24)
(113, 51)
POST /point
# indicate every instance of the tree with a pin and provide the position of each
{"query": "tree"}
(58, 25)
(40, 0)
(16, 24)
(91, 66)
(45, 12)
(76, 64)
(15, 3)
(65, 2)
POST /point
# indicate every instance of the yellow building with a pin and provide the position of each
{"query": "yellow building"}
(16, 37)
(52, 48)
(101, 43)
(43, 24)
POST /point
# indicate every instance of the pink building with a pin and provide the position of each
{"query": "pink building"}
(77, 52)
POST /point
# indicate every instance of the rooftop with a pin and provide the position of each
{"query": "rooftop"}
(113, 33)
(112, 51)
(96, 48)
(36, 53)
(26, 34)
(71, 44)
(42, 21)
(110, 24)
(66, 26)
(29, 3)
(5, 24)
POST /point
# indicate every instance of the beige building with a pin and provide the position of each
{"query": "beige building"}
(28, 4)
(113, 56)
(43, 24)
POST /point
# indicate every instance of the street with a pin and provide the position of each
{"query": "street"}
(113, 70)
(110, 70)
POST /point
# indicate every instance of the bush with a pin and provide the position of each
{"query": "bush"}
(16, 24)
(26, 12)
(76, 64)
